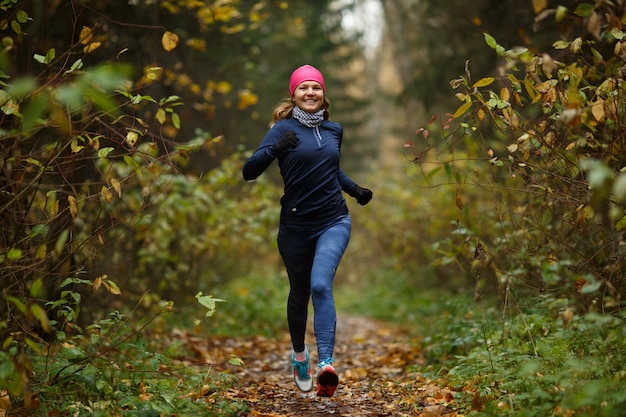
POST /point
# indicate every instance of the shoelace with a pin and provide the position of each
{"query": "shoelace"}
(302, 369)
(325, 362)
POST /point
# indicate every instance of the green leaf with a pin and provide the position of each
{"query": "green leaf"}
(21, 16)
(60, 243)
(36, 288)
(621, 225)
(17, 28)
(591, 287)
(617, 33)
(171, 99)
(176, 120)
(584, 10)
(32, 344)
(598, 173)
(104, 152)
(191, 146)
(133, 164)
(39, 229)
(235, 361)
(597, 54)
(561, 12)
(76, 147)
(34, 110)
(22, 87)
(33, 162)
(78, 64)
(14, 253)
(491, 41)
(50, 55)
(560, 45)
(209, 302)
(17, 302)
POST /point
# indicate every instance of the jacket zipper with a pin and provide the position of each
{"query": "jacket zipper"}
(318, 136)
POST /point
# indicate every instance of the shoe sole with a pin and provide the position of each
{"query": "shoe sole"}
(327, 383)
(304, 385)
(304, 388)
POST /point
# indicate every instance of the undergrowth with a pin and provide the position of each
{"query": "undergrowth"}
(534, 357)
(118, 365)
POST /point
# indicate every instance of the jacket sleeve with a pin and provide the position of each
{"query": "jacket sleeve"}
(263, 156)
(347, 184)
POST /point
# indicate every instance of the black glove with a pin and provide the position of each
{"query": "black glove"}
(362, 195)
(287, 140)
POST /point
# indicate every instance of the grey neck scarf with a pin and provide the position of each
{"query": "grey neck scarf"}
(308, 119)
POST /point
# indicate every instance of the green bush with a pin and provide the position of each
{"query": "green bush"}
(111, 367)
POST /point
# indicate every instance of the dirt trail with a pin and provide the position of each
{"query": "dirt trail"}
(375, 376)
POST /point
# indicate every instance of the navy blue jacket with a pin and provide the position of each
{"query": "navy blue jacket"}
(311, 175)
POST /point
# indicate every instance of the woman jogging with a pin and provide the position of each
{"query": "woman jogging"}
(315, 224)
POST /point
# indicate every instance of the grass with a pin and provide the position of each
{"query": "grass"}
(519, 360)
(535, 359)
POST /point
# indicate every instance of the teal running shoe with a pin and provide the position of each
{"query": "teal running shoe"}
(302, 372)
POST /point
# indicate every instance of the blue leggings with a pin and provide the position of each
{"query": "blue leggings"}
(311, 256)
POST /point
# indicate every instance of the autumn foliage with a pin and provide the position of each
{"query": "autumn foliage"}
(547, 132)
(500, 251)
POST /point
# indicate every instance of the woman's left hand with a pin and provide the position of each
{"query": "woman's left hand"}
(362, 195)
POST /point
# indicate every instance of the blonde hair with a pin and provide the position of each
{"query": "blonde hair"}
(285, 109)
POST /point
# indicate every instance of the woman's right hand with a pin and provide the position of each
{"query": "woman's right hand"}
(286, 141)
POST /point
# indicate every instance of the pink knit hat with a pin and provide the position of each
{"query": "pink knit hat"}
(305, 73)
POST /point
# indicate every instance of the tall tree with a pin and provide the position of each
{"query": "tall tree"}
(431, 42)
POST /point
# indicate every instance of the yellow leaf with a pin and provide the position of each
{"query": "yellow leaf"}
(576, 45)
(539, 5)
(55, 209)
(169, 41)
(111, 287)
(131, 137)
(483, 82)
(246, 99)
(160, 116)
(91, 47)
(72, 203)
(461, 110)
(41, 316)
(597, 109)
(98, 281)
(116, 186)
(106, 194)
(85, 35)
(505, 94)
(154, 73)
(42, 250)
(223, 87)
(76, 147)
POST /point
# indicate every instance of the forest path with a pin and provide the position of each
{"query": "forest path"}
(373, 360)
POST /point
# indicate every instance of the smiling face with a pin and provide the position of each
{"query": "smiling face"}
(309, 96)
